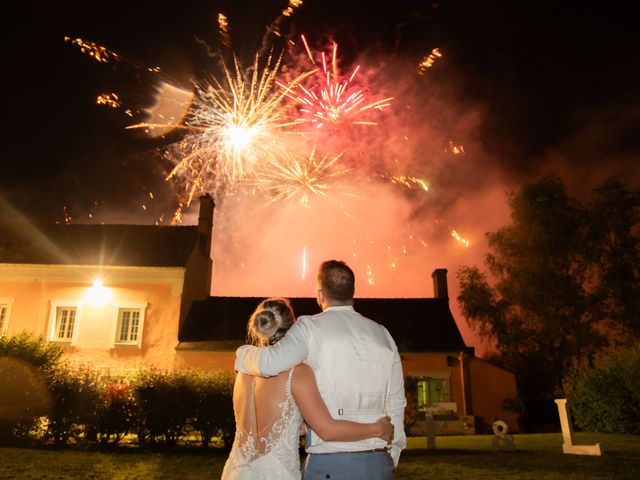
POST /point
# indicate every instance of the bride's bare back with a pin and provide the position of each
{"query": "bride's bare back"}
(258, 403)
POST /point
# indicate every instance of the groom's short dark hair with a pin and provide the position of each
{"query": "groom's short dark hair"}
(337, 280)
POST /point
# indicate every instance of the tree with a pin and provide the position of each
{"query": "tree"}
(564, 274)
(614, 251)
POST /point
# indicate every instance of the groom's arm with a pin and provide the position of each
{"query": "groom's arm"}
(396, 404)
(269, 361)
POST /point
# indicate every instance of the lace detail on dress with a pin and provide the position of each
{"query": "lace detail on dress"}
(274, 455)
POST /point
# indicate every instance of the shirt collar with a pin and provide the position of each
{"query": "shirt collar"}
(339, 307)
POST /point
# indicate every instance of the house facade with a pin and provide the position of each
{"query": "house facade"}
(112, 296)
(122, 297)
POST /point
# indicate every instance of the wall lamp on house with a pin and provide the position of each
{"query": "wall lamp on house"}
(98, 295)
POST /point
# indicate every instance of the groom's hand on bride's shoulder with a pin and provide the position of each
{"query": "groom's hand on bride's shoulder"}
(240, 353)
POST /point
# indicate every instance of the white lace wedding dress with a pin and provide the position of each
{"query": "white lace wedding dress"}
(267, 430)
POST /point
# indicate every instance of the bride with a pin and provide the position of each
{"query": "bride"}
(269, 411)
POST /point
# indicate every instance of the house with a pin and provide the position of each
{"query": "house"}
(113, 296)
(443, 377)
(120, 297)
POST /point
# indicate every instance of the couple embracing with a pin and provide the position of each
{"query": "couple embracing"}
(336, 375)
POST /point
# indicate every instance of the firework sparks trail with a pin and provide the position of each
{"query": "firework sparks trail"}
(460, 239)
(304, 263)
(96, 51)
(410, 182)
(428, 60)
(370, 279)
(223, 29)
(454, 149)
(102, 54)
(109, 99)
(274, 27)
(333, 98)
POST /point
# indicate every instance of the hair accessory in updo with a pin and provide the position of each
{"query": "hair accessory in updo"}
(270, 321)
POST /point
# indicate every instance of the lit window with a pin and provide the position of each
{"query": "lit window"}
(64, 321)
(130, 320)
(4, 318)
(128, 325)
(5, 311)
(430, 391)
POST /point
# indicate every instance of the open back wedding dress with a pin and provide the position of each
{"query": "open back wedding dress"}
(267, 430)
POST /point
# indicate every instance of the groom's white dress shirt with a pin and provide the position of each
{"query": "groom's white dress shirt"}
(357, 368)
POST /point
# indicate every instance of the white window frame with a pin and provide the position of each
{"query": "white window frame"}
(5, 305)
(115, 334)
(55, 305)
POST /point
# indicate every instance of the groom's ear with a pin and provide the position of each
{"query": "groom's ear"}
(320, 297)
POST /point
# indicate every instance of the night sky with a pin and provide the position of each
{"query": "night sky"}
(557, 84)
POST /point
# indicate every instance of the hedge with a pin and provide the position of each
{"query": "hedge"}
(44, 399)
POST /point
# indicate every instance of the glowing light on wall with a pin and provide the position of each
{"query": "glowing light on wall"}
(98, 295)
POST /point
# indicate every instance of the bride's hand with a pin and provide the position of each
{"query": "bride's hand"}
(385, 429)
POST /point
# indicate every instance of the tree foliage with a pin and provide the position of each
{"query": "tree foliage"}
(565, 281)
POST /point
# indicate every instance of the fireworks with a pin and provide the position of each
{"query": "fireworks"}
(232, 127)
(279, 136)
(332, 98)
(301, 179)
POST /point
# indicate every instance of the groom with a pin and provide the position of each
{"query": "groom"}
(359, 375)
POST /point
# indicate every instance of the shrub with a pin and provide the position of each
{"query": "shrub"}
(75, 394)
(31, 349)
(27, 363)
(607, 398)
(212, 413)
(115, 413)
(165, 403)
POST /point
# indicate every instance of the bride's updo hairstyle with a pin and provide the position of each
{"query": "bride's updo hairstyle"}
(270, 321)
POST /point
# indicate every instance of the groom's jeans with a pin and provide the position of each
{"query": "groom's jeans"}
(369, 465)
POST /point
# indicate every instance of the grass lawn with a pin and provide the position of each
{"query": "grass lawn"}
(536, 457)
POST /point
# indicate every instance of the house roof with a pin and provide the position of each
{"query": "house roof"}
(110, 245)
(416, 324)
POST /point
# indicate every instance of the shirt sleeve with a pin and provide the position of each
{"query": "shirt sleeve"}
(292, 349)
(396, 405)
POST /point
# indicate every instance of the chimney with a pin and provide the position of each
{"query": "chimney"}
(205, 223)
(197, 276)
(440, 289)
